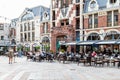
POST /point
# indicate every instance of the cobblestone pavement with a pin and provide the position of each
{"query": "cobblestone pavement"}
(28, 70)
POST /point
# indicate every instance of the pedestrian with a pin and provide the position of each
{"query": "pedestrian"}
(10, 55)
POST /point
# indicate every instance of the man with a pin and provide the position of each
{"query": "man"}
(10, 55)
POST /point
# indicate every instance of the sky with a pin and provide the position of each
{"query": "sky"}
(13, 8)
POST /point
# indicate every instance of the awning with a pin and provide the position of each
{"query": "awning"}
(87, 42)
(70, 43)
(106, 42)
(118, 42)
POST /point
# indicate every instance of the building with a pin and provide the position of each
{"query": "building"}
(5, 42)
(45, 31)
(28, 28)
(101, 20)
(83, 25)
(66, 22)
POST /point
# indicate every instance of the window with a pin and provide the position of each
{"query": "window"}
(77, 23)
(113, 1)
(27, 16)
(64, 3)
(43, 29)
(29, 36)
(53, 24)
(67, 22)
(53, 16)
(21, 27)
(28, 26)
(62, 23)
(25, 36)
(25, 27)
(33, 26)
(115, 18)
(1, 26)
(77, 1)
(95, 20)
(90, 21)
(2, 37)
(109, 19)
(21, 35)
(46, 27)
(33, 36)
(93, 4)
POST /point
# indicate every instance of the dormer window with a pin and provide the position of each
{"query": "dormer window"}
(113, 1)
(93, 4)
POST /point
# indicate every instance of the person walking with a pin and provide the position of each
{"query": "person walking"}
(10, 55)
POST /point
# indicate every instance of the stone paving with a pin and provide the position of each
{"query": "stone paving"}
(28, 70)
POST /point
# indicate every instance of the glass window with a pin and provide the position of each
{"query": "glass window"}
(27, 17)
(25, 27)
(1, 26)
(25, 36)
(28, 26)
(109, 19)
(95, 20)
(2, 37)
(33, 36)
(67, 22)
(21, 35)
(29, 36)
(33, 26)
(62, 23)
(93, 4)
(21, 27)
(116, 18)
(90, 21)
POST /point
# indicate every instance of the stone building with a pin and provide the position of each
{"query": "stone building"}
(28, 28)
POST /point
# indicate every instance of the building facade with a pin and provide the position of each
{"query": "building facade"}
(66, 18)
(101, 20)
(4, 33)
(45, 31)
(28, 28)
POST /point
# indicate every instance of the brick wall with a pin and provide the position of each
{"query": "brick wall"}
(86, 23)
(102, 21)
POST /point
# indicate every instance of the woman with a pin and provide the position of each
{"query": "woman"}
(10, 55)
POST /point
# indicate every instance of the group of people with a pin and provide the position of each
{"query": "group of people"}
(39, 55)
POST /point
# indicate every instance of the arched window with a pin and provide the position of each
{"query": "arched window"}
(27, 16)
(93, 36)
(93, 4)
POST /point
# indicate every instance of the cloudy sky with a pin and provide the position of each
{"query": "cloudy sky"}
(13, 8)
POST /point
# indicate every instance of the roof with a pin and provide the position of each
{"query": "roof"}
(102, 4)
(37, 11)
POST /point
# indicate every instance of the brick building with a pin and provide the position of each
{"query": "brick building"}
(66, 16)
(89, 23)
(101, 20)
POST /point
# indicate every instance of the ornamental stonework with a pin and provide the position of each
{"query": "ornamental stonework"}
(102, 13)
